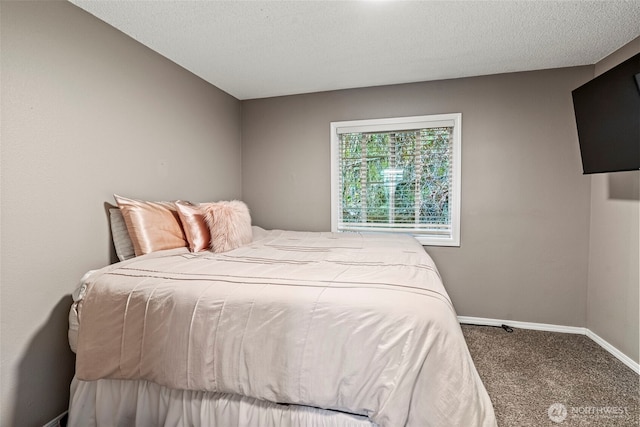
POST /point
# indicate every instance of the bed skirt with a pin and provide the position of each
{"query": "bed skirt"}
(145, 404)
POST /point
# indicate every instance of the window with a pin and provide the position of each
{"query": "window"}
(398, 175)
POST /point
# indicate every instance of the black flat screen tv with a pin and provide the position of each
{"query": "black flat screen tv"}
(607, 111)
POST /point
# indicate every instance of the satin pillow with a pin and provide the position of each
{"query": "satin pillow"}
(195, 225)
(229, 225)
(152, 226)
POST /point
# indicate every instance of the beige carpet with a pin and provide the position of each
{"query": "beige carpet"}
(526, 372)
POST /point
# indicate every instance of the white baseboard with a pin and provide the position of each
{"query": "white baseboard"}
(56, 421)
(555, 328)
(617, 353)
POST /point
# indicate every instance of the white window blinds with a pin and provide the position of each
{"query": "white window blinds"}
(398, 175)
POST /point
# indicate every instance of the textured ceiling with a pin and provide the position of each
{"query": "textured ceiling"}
(256, 49)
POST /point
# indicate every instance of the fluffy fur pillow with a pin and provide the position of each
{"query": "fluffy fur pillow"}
(229, 225)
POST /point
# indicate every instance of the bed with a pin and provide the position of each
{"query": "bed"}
(292, 329)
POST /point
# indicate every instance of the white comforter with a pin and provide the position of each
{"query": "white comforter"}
(348, 322)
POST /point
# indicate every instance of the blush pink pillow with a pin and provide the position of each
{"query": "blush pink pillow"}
(229, 225)
(195, 225)
(152, 226)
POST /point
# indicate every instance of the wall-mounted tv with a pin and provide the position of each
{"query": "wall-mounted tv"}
(607, 113)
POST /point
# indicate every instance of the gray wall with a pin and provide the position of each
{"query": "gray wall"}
(614, 255)
(525, 202)
(86, 112)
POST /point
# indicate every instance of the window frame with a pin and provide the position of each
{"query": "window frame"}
(399, 124)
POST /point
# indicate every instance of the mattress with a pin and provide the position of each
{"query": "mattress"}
(344, 322)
